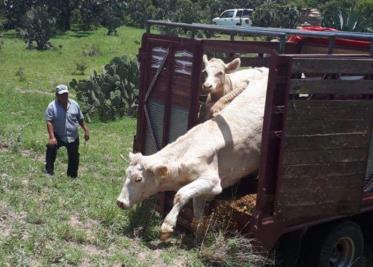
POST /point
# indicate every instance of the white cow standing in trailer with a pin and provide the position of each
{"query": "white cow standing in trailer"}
(201, 163)
(224, 82)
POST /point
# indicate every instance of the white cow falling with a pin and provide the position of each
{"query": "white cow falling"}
(197, 167)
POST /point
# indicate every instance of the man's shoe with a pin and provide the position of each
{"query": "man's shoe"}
(49, 174)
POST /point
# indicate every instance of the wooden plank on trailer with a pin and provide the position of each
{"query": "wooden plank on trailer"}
(332, 65)
(330, 110)
(255, 61)
(319, 192)
(326, 126)
(323, 169)
(314, 210)
(323, 142)
(324, 156)
(339, 87)
(292, 184)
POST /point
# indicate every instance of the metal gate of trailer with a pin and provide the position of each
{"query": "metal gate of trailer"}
(169, 79)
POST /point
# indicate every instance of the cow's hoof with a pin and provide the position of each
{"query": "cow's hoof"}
(165, 236)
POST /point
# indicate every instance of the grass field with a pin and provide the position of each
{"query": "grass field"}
(55, 220)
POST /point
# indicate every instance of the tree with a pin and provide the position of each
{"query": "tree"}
(348, 15)
(112, 16)
(140, 11)
(38, 26)
(90, 14)
(61, 10)
(276, 14)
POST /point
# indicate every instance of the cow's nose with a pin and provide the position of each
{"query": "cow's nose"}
(121, 204)
(207, 87)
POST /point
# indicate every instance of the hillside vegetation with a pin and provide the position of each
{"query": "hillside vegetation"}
(55, 220)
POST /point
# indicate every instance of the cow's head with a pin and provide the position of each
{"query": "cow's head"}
(216, 70)
(142, 180)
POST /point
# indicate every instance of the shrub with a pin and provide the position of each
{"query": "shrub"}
(92, 51)
(271, 14)
(20, 73)
(348, 15)
(139, 11)
(111, 94)
(37, 26)
(81, 66)
(112, 18)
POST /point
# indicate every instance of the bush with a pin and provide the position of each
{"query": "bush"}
(20, 73)
(139, 11)
(271, 14)
(37, 26)
(348, 15)
(112, 18)
(92, 51)
(112, 94)
(90, 11)
(81, 66)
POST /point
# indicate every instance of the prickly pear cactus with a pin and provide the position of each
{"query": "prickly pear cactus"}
(111, 94)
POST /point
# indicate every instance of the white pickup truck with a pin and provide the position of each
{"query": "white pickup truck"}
(234, 17)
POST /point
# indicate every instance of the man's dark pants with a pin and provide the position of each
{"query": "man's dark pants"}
(73, 156)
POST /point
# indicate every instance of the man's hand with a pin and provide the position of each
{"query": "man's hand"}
(86, 135)
(52, 141)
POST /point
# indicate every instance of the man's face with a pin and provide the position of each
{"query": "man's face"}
(63, 98)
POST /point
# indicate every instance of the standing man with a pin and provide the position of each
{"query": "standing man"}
(63, 116)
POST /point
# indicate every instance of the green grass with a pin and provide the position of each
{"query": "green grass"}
(56, 220)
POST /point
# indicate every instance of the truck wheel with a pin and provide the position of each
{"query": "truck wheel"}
(343, 246)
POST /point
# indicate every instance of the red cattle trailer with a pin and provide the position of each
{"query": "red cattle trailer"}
(314, 197)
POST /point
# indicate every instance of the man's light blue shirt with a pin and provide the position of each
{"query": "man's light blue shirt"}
(65, 122)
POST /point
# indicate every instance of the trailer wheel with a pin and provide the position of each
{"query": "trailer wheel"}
(343, 246)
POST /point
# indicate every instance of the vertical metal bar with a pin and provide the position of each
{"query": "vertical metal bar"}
(232, 36)
(168, 100)
(144, 73)
(147, 25)
(192, 34)
(282, 44)
(331, 44)
(196, 83)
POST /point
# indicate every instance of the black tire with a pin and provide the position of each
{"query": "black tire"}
(342, 246)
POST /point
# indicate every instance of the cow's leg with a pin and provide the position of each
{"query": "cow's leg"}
(204, 185)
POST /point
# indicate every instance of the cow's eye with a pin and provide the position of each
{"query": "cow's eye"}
(138, 179)
(220, 73)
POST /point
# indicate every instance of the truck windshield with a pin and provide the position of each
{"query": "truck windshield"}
(227, 14)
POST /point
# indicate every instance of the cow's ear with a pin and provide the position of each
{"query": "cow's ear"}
(233, 65)
(160, 171)
(134, 157)
(205, 59)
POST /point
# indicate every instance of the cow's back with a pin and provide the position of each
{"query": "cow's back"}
(241, 124)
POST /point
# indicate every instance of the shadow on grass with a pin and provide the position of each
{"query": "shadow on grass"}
(143, 222)
(11, 35)
(80, 34)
